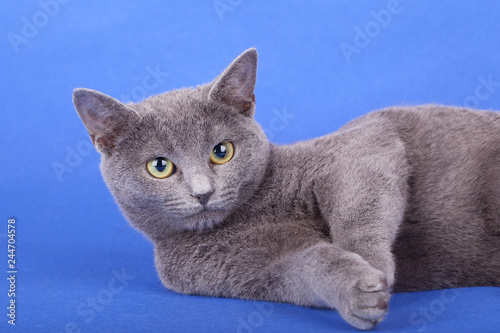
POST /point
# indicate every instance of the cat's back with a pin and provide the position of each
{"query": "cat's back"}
(449, 148)
(442, 144)
(432, 121)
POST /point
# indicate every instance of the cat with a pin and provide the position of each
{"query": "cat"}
(401, 199)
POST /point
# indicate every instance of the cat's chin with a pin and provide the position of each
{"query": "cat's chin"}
(204, 219)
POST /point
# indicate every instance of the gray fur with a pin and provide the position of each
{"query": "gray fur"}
(403, 198)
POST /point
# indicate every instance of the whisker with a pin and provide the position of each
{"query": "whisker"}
(175, 210)
(227, 194)
(174, 207)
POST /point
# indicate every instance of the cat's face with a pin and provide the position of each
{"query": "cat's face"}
(184, 128)
(184, 159)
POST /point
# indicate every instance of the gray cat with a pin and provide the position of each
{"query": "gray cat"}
(400, 199)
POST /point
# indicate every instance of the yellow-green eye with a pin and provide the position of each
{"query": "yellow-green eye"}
(160, 167)
(222, 153)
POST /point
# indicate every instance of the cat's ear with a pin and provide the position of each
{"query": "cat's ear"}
(104, 117)
(235, 86)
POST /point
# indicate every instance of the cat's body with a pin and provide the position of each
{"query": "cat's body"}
(403, 197)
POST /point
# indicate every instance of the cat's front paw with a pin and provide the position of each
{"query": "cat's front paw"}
(366, 302)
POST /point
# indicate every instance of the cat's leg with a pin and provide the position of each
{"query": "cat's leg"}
(363, 201)
(318, 275)
(326, 275)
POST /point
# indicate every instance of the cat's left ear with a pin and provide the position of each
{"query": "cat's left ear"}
(235, 86)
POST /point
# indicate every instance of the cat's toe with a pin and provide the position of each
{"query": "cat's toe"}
(368, 302)
(366, 310)
(360, 322)
(374, 283)
(371, 305)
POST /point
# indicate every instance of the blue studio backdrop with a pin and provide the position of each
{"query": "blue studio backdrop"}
(79, 267)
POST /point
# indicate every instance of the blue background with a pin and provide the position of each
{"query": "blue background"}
(71, 238)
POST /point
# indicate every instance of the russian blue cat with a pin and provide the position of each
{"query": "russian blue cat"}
(404, 198)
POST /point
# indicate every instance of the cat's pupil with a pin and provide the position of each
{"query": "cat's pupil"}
(220, 151)
(160, 164)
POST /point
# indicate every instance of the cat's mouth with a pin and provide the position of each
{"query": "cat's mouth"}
(198, 217)
(204, 210)
(203, 217)
(214, 207)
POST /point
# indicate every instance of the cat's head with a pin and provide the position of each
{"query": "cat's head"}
(185, 159)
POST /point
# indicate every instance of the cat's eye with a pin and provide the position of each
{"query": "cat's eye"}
(222, 153)
(160, 167)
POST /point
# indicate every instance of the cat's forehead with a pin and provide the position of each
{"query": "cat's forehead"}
(183, 116)
(177, 110)
(175, 104)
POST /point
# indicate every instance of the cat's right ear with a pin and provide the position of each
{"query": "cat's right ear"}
(104, 117)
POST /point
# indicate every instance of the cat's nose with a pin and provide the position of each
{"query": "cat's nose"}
(201, 188)
(203, 197)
